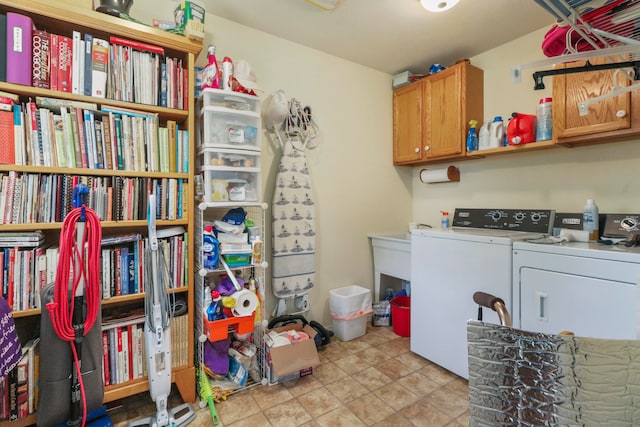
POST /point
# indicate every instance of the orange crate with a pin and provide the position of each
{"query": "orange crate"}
(219, 329)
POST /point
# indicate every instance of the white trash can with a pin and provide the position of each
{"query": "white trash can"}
(349, 308)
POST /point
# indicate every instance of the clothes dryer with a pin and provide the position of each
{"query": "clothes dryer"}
(589, 289)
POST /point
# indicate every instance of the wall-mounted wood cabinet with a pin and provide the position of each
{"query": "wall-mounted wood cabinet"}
(430, 117)
(608, 120)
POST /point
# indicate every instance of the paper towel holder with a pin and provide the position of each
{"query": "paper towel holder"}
(439, 175)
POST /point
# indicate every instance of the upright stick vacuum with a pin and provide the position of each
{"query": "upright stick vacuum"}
(157, 334)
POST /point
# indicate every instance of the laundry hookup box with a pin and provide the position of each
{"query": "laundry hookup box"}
(289, 354)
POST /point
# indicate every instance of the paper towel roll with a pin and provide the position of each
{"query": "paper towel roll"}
(431, 176)
(246, 303)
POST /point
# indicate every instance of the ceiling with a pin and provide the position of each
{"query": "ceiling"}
(390, 35)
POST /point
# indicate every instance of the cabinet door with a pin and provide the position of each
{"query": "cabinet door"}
(443, 114)
(607, 115)
(407, 124)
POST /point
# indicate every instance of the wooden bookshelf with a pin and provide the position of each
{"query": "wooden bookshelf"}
(64, 20)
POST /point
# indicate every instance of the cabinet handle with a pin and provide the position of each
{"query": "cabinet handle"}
(427, 148)
(621, 113)
(417, 150)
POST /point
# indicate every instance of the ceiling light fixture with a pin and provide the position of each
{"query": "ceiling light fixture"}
(438, 5)
(327, 5)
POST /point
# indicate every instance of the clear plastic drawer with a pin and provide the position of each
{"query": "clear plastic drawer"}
(222, 184)
(230, 100)
(221, 157)
(230, 130)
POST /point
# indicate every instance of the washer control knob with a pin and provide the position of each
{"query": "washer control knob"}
(519, 216)
(496, 215)
(536, 217)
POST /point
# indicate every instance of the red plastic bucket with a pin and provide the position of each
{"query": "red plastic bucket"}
(401, 315)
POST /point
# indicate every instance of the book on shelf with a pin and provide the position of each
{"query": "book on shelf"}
(19, 39)
(82, 141)
(172, 127)
(60, 141)
(7, 135)
(35, 146)
(78, 154)
(3, 45)
(100, 61)
(106, 372)
(69, 139)
(21, 238)
(146, 47)
(87, 72)
(12, 394)
(54, 53)
(65, 59)
(47, 102)
(19, 136)
(41, 55)
(12, 96)
(76, 52)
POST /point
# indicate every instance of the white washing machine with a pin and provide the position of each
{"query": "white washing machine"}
(448, 266)
(589, 289)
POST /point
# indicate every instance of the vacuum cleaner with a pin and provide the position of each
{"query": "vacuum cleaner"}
(157, 334)
(71, 385)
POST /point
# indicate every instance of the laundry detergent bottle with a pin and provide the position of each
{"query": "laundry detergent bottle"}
(496, 133)
(484, 136)
(472, 137)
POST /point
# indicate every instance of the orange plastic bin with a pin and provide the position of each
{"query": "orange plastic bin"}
(401, 315)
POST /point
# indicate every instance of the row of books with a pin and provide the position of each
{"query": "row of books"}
(19, 389)
(24, 270)
(124, 350)
(73, 134)
(117, 68)
(123, 264)
(27, 198)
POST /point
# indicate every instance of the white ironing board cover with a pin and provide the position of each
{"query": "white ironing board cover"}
(293, 225)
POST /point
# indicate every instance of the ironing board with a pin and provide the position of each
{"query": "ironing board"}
(293, 224)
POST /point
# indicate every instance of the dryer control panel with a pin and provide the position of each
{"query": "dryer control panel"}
(529, 220)
(621, 225)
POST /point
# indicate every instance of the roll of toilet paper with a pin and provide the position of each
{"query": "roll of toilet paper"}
(431, 176)
(246, 303)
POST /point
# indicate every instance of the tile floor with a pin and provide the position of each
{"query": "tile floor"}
(373, 380)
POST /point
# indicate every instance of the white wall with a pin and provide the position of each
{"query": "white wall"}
(357, 190)
(560, 178)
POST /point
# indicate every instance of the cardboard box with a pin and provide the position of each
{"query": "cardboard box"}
(289, 362)
(402, 79)
(188, 11)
